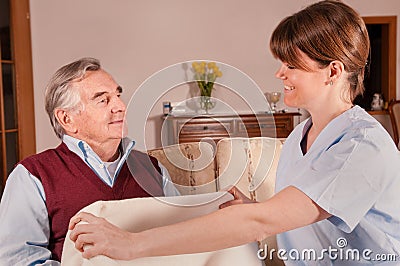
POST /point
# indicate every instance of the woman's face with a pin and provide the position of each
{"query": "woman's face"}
(304, 89)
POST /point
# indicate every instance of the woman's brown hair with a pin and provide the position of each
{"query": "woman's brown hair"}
(325, 31)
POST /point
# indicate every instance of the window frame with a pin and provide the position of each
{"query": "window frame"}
(21, 60)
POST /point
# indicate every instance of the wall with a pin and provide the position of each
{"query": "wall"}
(135, 39)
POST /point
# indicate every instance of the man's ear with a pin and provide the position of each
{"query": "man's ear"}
(66, 120)
(336, 69)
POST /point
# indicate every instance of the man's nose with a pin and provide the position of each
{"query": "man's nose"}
(118, 105)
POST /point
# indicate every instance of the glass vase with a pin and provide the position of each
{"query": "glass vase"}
(207, 103)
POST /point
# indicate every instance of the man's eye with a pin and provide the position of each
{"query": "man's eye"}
(291, 67)
(104, 100)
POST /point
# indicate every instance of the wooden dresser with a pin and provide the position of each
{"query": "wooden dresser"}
(185, 128)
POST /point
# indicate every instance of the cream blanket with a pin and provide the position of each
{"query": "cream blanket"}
(144, 213)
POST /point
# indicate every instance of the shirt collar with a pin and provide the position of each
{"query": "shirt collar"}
(306, 127)
(81, 148)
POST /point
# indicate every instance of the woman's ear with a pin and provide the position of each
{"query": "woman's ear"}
(336, 69)
(66, 120)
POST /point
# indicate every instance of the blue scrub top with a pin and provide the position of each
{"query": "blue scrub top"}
(352, 170)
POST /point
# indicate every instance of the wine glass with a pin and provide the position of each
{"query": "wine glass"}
(273, 98)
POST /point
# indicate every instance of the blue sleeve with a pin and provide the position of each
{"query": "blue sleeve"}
(24, 234)
(350, 176)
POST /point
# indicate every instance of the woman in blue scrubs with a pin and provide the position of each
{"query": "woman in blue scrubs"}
(338, 179)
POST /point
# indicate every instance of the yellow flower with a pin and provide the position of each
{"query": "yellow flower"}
(211, 65)
(195, 65)
(205, 74)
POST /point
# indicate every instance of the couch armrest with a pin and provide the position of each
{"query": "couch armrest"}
(190, 165)
(249, 164)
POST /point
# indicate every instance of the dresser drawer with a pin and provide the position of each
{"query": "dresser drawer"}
(284, 125)
(205, 128)
(253, 127)
(197, 129)
(216, 127)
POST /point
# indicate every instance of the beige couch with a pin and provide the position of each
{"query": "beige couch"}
(248, 163)
(139, 214)
(196, 168)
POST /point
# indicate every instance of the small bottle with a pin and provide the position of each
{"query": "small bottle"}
(166, 108)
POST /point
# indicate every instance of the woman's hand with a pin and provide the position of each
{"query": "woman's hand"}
(238, 198)
(96, 236)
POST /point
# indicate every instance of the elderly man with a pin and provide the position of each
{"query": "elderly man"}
(93, 162)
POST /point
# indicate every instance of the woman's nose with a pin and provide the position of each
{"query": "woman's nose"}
(280, 73)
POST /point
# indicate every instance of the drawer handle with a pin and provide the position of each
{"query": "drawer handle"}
(257, 126)
(267, 126)
(205, 127)
(250, 126)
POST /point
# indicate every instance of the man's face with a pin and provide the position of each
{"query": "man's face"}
(101, 117)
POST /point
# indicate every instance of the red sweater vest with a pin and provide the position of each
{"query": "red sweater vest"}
(70, 184)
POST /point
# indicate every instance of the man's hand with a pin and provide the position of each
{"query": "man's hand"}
(96, 236)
